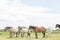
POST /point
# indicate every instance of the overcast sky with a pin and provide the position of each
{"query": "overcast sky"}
(29, 12)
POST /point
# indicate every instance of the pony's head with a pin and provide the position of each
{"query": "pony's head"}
(19, 27)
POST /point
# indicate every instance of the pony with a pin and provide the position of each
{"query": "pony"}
(38, 29)
(24, 30)
(49, 30)
(12, 31)
(57, 26)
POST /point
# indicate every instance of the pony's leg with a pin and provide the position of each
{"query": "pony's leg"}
(36, 36)
(16, 34)
(49, 33)
(43, 34)
(10, 34)
(28, 34)
(22, 34)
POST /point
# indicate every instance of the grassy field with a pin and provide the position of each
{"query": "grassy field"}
(54, 36)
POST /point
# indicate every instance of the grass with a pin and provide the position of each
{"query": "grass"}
(54, 36)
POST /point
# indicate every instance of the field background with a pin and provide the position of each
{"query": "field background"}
(55, 35)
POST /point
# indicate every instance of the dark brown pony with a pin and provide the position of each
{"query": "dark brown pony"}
(38, 29)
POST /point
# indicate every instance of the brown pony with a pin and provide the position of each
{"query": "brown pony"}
(38, 29)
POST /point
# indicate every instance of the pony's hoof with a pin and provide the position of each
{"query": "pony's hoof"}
(17, 37)
(10, 37)
(21, 36)
(36, 37)
(43, 37)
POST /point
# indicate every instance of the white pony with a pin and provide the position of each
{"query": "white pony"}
(12, 31)
(24, 30)
(49, 30)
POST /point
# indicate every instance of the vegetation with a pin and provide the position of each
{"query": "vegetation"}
(55, 35)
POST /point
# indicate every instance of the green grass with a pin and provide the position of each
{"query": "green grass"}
(54, 36)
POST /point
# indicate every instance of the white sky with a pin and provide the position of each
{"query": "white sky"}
(13, 13)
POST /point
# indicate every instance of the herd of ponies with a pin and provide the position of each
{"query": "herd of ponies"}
(21, 30)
